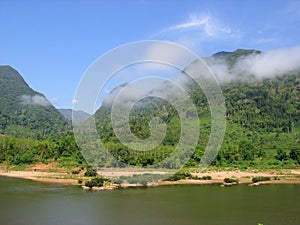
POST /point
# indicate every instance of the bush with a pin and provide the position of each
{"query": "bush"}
(119, 181)
(96, 182)
(201, 178)
(90, 173)
(205, 178)
(259, 179)
(179, 176)
(230, 180)
(75, 171)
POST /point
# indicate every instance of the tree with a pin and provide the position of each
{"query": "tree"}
(247, 150)
(281, 155)
(295, 154)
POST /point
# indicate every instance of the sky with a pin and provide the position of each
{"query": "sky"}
(52, 43)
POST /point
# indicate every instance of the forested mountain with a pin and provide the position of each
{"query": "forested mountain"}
(24, 112)
(231, 58)
(80, 115)
(263, 120)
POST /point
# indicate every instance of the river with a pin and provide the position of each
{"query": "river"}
(28, 202)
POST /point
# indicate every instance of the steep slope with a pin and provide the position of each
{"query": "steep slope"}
(263, 116)
(24, 112)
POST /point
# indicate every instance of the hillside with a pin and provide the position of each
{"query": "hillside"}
(263, 121)
(24, 112)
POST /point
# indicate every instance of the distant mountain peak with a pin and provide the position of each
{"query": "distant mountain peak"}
(238, 52)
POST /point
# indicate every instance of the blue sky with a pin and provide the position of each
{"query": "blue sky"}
(52, 43)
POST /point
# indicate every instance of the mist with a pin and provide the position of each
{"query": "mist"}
(263, 65)
(34, 100)
(260, 66)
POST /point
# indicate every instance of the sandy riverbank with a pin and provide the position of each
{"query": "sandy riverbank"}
(243, 177)
(47, 177)
(62, 176)
(48, 173)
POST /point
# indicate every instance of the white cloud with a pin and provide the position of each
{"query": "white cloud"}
(271, 63)
(268, 64)
(200, 31)
(34, 100)
(193, 22)
(207, 24)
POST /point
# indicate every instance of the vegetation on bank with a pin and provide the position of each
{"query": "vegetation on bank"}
(263, 126)
(96, 182)
(260, 179)
(230, 180)
(19, 151)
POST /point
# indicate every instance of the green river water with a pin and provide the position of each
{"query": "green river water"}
(29, 203)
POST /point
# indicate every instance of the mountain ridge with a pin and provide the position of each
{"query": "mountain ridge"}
(263, 116)
(24, 112)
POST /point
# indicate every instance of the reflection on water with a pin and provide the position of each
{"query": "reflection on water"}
(29, 202)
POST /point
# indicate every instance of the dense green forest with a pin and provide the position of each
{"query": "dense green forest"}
(20, 151)
(25, 113)
(263, 122)
(263, 125)
(31, 129)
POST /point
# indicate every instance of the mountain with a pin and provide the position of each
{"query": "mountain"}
(80, 115)
(263, 118)
(232, 57)
(24, 112)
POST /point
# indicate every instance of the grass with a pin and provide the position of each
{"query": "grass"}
(20, 167)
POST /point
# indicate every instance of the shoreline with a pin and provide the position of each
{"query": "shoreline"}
(45, 177)
(64, 177)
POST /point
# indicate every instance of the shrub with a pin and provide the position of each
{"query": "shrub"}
(179, 176)
(230, 180)
(96, 182)
(75, 171)
(119, 181)
(90, 173)
(205, 178)
(142, 179)
(201, 178)
(259, 179)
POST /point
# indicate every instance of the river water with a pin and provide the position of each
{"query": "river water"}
(29, 203)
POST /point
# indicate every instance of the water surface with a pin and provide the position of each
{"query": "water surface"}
(28, 202)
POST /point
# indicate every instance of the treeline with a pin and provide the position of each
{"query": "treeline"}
(18, 151)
